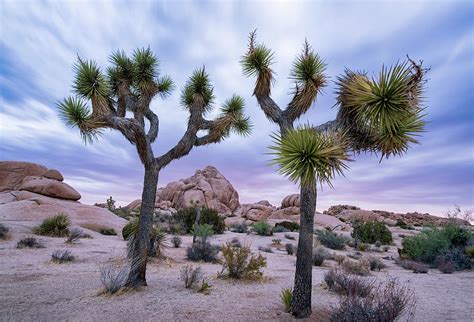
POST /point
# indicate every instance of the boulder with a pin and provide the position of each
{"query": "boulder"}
(256, 212)
(49, 187)
(53, 174)
(292, 200)
(12, 173)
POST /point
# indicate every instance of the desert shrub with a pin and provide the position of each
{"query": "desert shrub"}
(157, 238)
(239, 228)
(469, 250)
(375, 263)
(386, 248)
(4, 231)
(286, 297)
(356, 267)
(416, 267)
(378, 244)
(205, 288)
(402, 224)
(235, 242)
(113, 278)
(262, 228)
(291, 226)
(186, 217)
(453, 257)
(356, 255)
(371, 232)
(447, 267)
(384, 303)
(57, 226)
(62, 256)
(290, 248)
(203, 231)
(204, 251)
(29, 242)
(75, 234)
(288, 236)
(362, 247)
(276, 241)
(265, 249)
(123, 212)
(189, 275)
(338, 258)
(348, 285)
(239, 262)
(280, 229)
(331, 239)
(176, 241)
(320, 254)
(107, 231)
(456, 235)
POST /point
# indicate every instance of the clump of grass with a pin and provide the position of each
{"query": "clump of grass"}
(235, 242)
(176, 241)
(416, 267)
(320, 254)
(348, 285)
(29, 242)
(239, 228)
(107, 231)
(4, 232)
(289, 225)
(262, 228)
(189, 275)
(205, 288)
(75, 234)
(202, 250)
(331, 239)
(362, 247)
(57, 226)
(290, 248)
(62, 256)
(338, 258)
(112, 278)
(286, 297)
(276, 241)
(239, 262)
(469, 250)
(288, 236)
(265, 249)
(356, 267)
(375, 263)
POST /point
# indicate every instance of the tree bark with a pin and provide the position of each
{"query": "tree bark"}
(136, 277)
(301, 303)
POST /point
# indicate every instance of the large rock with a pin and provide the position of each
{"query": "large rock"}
(292, 200)
(50, 187)
(12, 173)
(257, 211)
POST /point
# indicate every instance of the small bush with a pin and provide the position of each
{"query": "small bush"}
(186, 218)
(386, 248)
(290, 248)
(29, 242)
(276, 241)
(176, 241)
(400, 223)
(62, 256)
(375, 263)
(241, 263)
(371, 232)
(331, 239)
(291, 226)
(320, 254)
(189, 275)
(469, 250)
(348, 285)
(384, 303)
(265, 249)
(286, 297)
(203, 231)
(112, 278)
(360, 267)
(362, 247)
(453, 257)
(75, 234)
(157, 238)
(338, 258)
(107, 231)
(239, 228)
(416, 267)
(262, 228)
(205, 288)
(288, 236)
(204, 251)
(378, 244)
(4, 231)
(447, 267)
(57, 226)
(235, 242)
(280, 229)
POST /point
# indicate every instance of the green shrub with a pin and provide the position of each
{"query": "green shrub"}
(348, 285)
(57, 226)
(239, 262)
(203, 231)
(320, 254)
(239, 228)
(400, 223)
(331, 239)
(456, 235)
(107, 231)
(290, 248)
(356, 267)
(291, 226)
(371, 232)
(362, 247)
(262, 228)
(157, 238)
(4, 231)
(469, 250)
(204, 251)
(62, 256)
(186, 218)
(29, 242)
(375, 263)
(447, 267)
(176, 241)
(286, 297)
(280, 229)
(453, 257)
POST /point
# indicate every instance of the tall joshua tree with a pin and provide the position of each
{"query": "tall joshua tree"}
(382, 114)
(130, 85)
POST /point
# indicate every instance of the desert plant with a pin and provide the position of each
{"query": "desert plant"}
(62, 256)
(286, 297)
(447, 267)
(375, 263)
(110, 204)
(239, 228)
(469, 250)
(239, 262)
(74, 235)
(29, 242)
(288, 236)
(205, 288)
(276, 241)
(416, 267)
(362, 247)
(384, 303)
(57, 226)
(155, 244)
(348, 285)
(338, 258)
(235, 242)
(107, 231)
(331, 239)
(130, 85)
(371, 232)
(290, 248)
(176, 241)
(262, 228)
(320, 254)
(4, 231)
(400, 223)
(454, 257)
(356, 267)
(386, 248)
(203, 231)
(186, 217)
(189, 275)
(280, 229)
(290, 225)
(204, 251)
(378, 244)
(113, 278)
(381, 114)
(265, 249)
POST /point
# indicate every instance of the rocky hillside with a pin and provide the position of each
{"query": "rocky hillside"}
(30, 192)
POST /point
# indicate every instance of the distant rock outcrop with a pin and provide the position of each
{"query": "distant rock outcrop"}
(30, 193)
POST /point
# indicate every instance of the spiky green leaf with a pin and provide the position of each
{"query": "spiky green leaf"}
(145, 69)
(89, 80)
(198, 87)
(165, 86)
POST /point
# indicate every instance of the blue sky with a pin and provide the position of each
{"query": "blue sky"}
(40, 41)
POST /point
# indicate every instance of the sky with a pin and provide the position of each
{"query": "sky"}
(40, 40)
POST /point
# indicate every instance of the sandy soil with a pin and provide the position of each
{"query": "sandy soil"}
(33, 288)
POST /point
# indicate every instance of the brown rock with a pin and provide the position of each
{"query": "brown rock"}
(12, 173)
(256, 212)
(49, 187)
(53, 174)
(291, 201)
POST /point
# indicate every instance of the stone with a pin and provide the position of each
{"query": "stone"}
(12, 173)
(292, 200)
(53, 174)
(49, 187)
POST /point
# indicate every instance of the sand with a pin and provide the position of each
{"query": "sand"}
(33, 288)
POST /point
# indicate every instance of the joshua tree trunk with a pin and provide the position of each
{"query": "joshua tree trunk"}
(301, 303)
(139, 258)
(196, 222)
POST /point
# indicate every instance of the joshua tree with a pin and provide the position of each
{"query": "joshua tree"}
(380, 114)
(130, 85)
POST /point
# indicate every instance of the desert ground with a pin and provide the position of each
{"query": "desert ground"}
(35, 289)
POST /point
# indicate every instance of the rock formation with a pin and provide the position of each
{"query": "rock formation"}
(30, 193)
